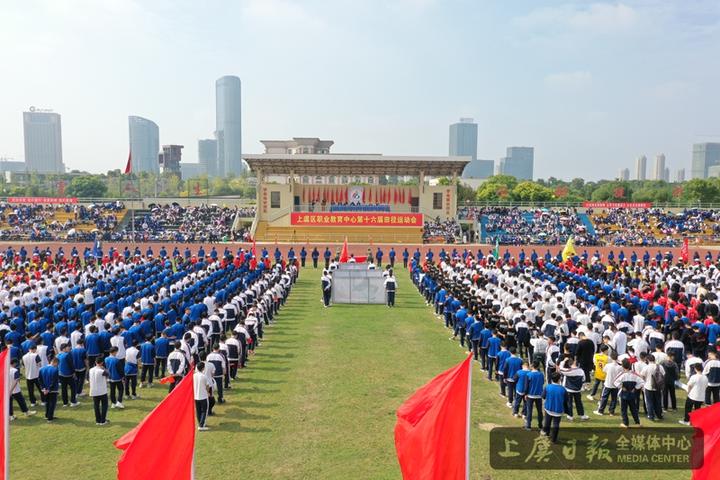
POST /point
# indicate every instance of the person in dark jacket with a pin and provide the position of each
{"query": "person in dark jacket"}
(584, 355)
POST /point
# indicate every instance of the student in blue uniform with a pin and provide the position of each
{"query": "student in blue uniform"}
(493, 348)
(554, 396)
(147, 359)
(520, 378)
(67, 375)
(629, 384)
(533, 397)
(114, 367)
(50, 386)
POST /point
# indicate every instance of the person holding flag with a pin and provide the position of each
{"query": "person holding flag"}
(569, 250)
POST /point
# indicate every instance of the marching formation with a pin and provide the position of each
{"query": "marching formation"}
(554, 332)
(117, 323)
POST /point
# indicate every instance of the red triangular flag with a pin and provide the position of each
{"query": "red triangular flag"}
(707, 423)
(128, 165)
(161, 447)
(344, 255)
(432, 433)
(5, 400)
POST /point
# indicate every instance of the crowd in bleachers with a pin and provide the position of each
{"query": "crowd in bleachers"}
(38, 222)
(448, 231)
(209, 223)
(654, 226)
(513, 226)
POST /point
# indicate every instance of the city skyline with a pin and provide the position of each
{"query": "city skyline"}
(558, 76)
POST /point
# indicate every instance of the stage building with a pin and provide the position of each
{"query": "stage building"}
(324, 197)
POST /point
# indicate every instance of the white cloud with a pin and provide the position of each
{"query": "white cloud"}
(595, 17)
(568, 80)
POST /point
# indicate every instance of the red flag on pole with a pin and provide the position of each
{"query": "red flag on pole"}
(685, 251)
(344, 255)
(707, 423)
(128, 165)
(161, 447)
(432, 433)
(5, 416)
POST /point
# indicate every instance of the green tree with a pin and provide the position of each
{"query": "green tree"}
(529, 191)
(699, 190)
(87, 186)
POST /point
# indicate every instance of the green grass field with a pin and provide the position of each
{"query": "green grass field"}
(318, 401)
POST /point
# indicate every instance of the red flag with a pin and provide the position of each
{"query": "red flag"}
(432, 433)
(344, 255)
(685, 251)
(128, 165)
(707, 422)
(5, 415)
(363, 196)
(161, 447)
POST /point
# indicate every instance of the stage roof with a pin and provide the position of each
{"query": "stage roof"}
(355, 164)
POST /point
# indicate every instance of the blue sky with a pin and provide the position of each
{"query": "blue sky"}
(591, 85)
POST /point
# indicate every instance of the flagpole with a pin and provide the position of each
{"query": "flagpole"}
(467, 432)
(6, 412)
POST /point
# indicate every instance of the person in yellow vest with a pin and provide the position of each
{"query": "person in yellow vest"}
(599, 361)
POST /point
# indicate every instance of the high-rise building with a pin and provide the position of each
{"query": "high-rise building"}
(500, 166)
(478, 169)
(228, 129)
(207, 156)
(519, 162)
(666, 176)
(659, 171)
(705, 155)
(624, 174)
(169, 159)
(640, 167)
(463, 138)
(680, 175)
(144, 144)
(43, 141)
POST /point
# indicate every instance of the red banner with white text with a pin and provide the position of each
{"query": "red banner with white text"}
(617, 204)
(36, 200)
(347, 219)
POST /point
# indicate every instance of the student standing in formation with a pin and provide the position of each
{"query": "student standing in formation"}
(599, 360)
(315, 255)
(50, 386)
(554, 396)
(32, 364)
(712, 372)
(131, 370)
(176, 364)
(696, 388)
(218, 362)
(99, 391)
(114, 367)
(201, 390)
(326, 285)
(533, 398)
(390, 288)
(79, 358)
(629, 383)
(67, 375)
(612, 372)
(16, 392)
(147, 358)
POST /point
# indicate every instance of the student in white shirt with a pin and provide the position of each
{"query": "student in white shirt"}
(99, 391)
(32, 364)
(176, 364)
(696, 387)
(16, 392)
(201, 391)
